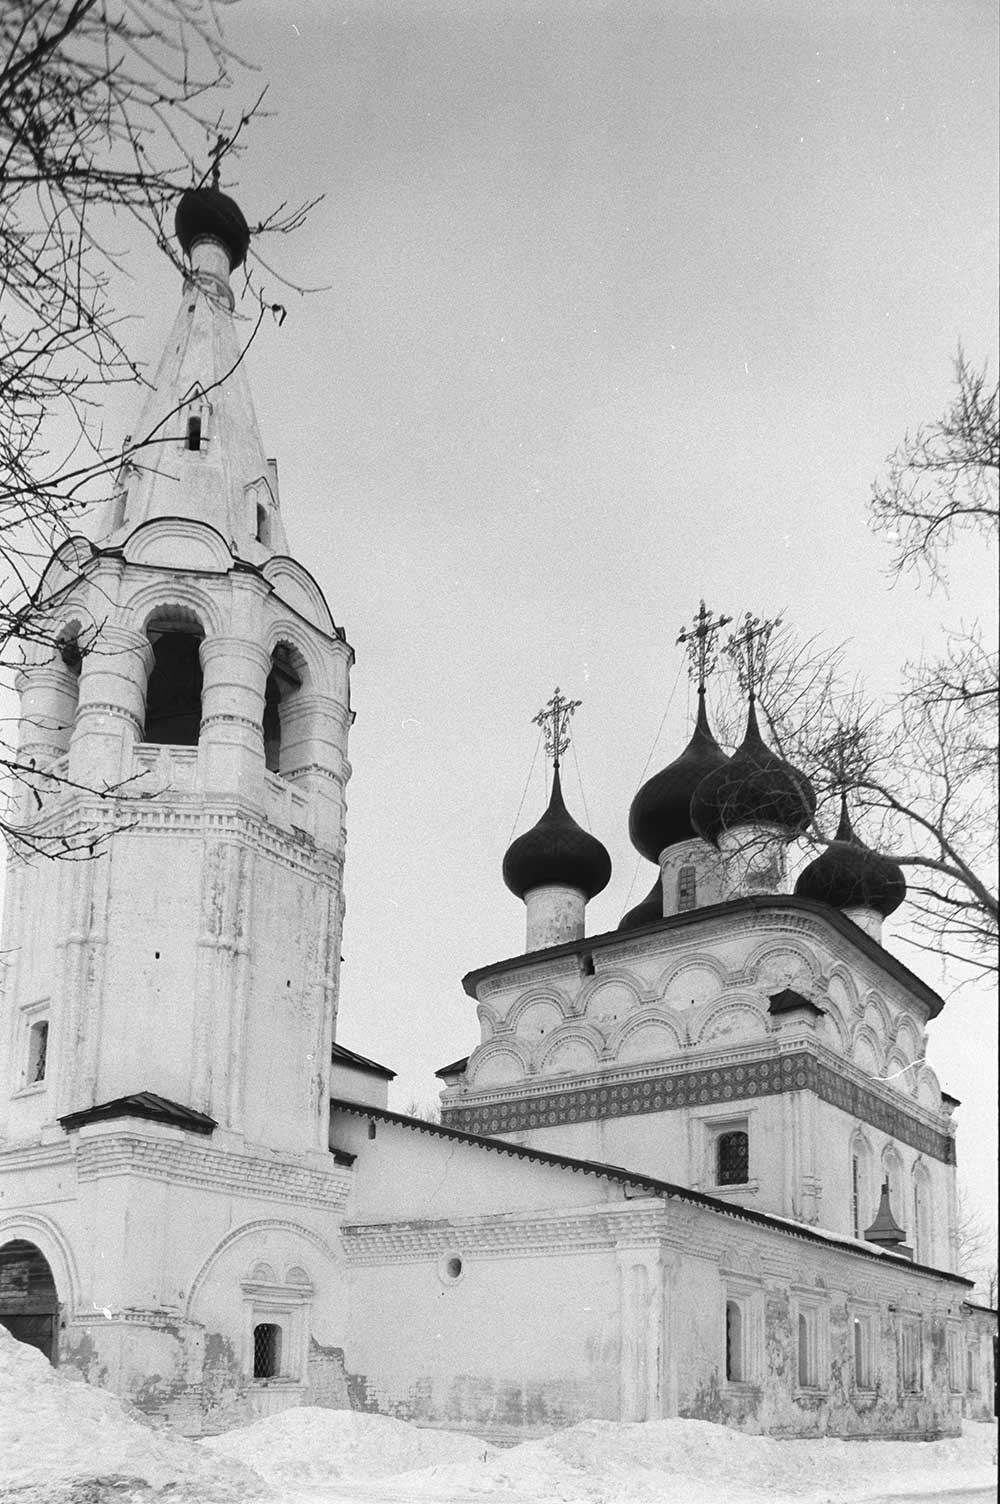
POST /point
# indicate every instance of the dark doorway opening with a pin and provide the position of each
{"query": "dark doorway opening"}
(29, 1305)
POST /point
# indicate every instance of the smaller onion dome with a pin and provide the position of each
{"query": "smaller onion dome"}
(849, 875)
(646, 912)
(660, 815)
(556, 851)
(206, 211)
(755, 787)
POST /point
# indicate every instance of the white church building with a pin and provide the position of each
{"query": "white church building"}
(694, 1167)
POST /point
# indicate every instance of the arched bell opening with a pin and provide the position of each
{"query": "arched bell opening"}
(29, 1303)
(284, 684)
(174, 688)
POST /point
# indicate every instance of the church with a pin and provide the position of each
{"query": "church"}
(694, 1167)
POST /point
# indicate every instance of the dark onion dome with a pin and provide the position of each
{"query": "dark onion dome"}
(849, 875)
(556, 851)
(646, 912)
(756, 787)
(660, 815)
(206, 211)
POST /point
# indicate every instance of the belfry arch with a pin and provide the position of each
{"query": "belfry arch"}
(29, 1302)
(285, 679)
(174, 687)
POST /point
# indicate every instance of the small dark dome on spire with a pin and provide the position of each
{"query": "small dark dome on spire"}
(556, 851)
(849, 875)
(660, 815)
(755, 787)
(646, 912)
(206, 211)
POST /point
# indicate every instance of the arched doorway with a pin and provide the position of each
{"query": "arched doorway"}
(29, 1305)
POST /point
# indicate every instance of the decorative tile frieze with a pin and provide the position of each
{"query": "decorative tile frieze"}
(211, 1169)
(719, 1083)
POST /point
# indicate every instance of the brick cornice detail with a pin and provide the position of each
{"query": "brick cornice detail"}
(156, 1158)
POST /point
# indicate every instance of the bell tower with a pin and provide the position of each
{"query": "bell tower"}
(174, 900)
(193, 718)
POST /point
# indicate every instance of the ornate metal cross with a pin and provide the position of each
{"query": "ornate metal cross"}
(748, 650)
(700, 643)
(554, 721)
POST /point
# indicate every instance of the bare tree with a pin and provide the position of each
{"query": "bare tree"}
(943, 478)
(109, 109)
(921, 766)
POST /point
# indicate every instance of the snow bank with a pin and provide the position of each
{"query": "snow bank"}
(64, 1442)
(695, 1462)
(310, 1445)
(327, 1455)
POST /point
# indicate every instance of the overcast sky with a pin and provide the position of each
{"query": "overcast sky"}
(625, 304)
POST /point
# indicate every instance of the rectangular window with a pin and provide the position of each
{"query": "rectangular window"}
(863, 1332)
(732, 1158)
(956, 1364)
(735, 1348)
(856, 1196)
(809, 1336)
(687, 889)
(910, 1355)
(972, 1370)
(38, 1049)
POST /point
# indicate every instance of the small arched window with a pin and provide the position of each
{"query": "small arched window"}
(173, 694)
(283, 682)
(266, 1350)
(732, 1158)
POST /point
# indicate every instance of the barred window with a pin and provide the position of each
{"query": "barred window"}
(687, 889)
(732, 1158)
(266, 1350)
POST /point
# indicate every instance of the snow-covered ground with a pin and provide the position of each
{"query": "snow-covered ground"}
(62, 1442)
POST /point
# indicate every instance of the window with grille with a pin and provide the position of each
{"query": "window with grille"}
(687, 889)
(266, 1350)
(735, 1353)
(732, 1158)
(910, 1355)
(38, 1049)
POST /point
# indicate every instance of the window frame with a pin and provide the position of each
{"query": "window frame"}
(285, 1304)
(745, 1296)
(863, 1323)
(810, 1315)
(33, 1016)
(910, 1346)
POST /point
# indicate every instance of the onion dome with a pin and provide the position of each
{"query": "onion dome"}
(646, 912)
(660, 815)
(556, 851)
(206, 211)
(849, 875)
(755, 787)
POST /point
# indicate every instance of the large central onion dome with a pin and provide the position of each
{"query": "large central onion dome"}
(205, 212)
(849, 875)
(756, 787)
(660, 815)
(556, 852)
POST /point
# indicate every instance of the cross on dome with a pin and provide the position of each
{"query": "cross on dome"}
(700, 643)
(748, 650)
(554, 721)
